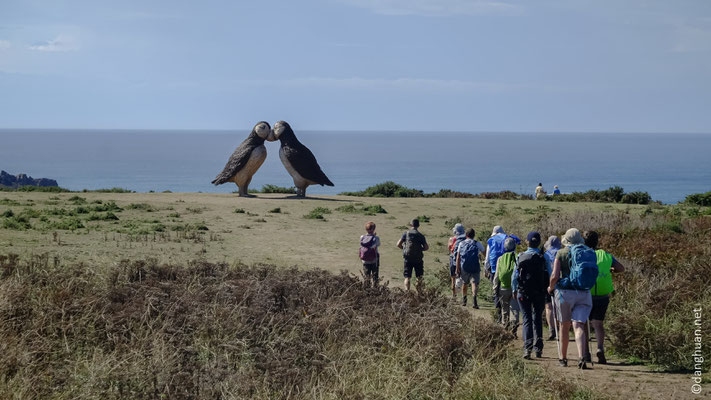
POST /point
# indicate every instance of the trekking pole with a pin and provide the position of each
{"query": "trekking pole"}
(555, 325)
(589, 352)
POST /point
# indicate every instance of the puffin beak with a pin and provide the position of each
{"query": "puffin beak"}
(271, 137)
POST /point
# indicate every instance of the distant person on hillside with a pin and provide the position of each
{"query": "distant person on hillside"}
(606, 264)
(413, 243)
(369, 255)
(468, 267)
(574, 274)
(529, 283)
(551, 248)
(556, 190)
(458, 232)
(540, 192)
(502, 284)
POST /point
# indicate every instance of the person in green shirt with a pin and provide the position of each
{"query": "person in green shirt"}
(606, 264)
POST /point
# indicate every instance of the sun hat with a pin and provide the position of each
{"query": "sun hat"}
(552, 242)
(497, 229)
(572, 236)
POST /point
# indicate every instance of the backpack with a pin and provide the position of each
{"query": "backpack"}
(496, 248)
(506, 269)
(583, 269)
(455, 246)
(532, 275)
(412, 248)
(469, 255)
(368, 252)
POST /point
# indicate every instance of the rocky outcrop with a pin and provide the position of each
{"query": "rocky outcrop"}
(15, 182)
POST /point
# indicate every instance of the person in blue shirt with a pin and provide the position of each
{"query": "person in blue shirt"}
(529, 283)
(556, 190)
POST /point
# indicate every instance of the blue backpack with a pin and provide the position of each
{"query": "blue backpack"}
(469, 255)
(496, 248)
(583, 269)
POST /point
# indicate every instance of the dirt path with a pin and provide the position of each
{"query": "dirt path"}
(617, 378)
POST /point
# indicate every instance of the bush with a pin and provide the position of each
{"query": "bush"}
(30, 188)
(211, 331)
(636, 198)
(386, 189)
(317, 213)
(699, 199)
(277, 189)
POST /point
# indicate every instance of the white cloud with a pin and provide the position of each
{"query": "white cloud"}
(5, 44)
(59, 44)
(437, 8)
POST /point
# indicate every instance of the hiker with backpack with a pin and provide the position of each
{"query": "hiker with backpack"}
(606, 264)
(413, 243)
(529, 283)
(453, 244)
(505, 266)
(551, 248)
(574, 274)
(468, 267)
(494, 250)
(369, 255)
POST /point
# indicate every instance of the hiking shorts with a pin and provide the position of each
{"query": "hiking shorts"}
(573, 305)
(599, 307)
(371, 270)
(469, 277)
(418, 266)
(452, 268)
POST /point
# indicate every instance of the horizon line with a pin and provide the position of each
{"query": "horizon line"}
(226, 130)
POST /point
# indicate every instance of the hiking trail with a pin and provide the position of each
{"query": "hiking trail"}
(618, 379)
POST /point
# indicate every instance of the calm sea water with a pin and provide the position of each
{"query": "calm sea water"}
(668, 166)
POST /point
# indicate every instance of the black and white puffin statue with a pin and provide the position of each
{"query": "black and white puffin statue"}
(246, 159)
(298, 160)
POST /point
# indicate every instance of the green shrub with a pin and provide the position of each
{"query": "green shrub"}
(277, 189)
(67, 224)
(387, 189)
(636, 198)
(275, 210)
(18, 223)
(365, 210)
(8, 213)
(699, 199)
(239, 211)
(112, 190)
(140, 206)
(317, 213)
(29, 188)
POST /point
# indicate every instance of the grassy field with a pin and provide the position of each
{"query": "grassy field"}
(169, 284)
(319, 232)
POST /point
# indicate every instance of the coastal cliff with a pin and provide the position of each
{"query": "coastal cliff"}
(16, 181)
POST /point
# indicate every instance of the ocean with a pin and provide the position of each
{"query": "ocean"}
(668, 166)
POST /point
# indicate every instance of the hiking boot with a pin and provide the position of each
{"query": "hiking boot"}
(587, 358)
(527, 354)
(551, 337)
(563, 362)
(476, 305)
(601, 357)
(581, 364)
(539, 354)
(464, 300)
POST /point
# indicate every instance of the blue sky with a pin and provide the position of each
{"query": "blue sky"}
(443, 65)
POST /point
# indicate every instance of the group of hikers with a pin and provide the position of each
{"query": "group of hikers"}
(568, 277)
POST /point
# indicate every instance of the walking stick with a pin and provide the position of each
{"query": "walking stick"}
(555, 325)
(591, 359)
